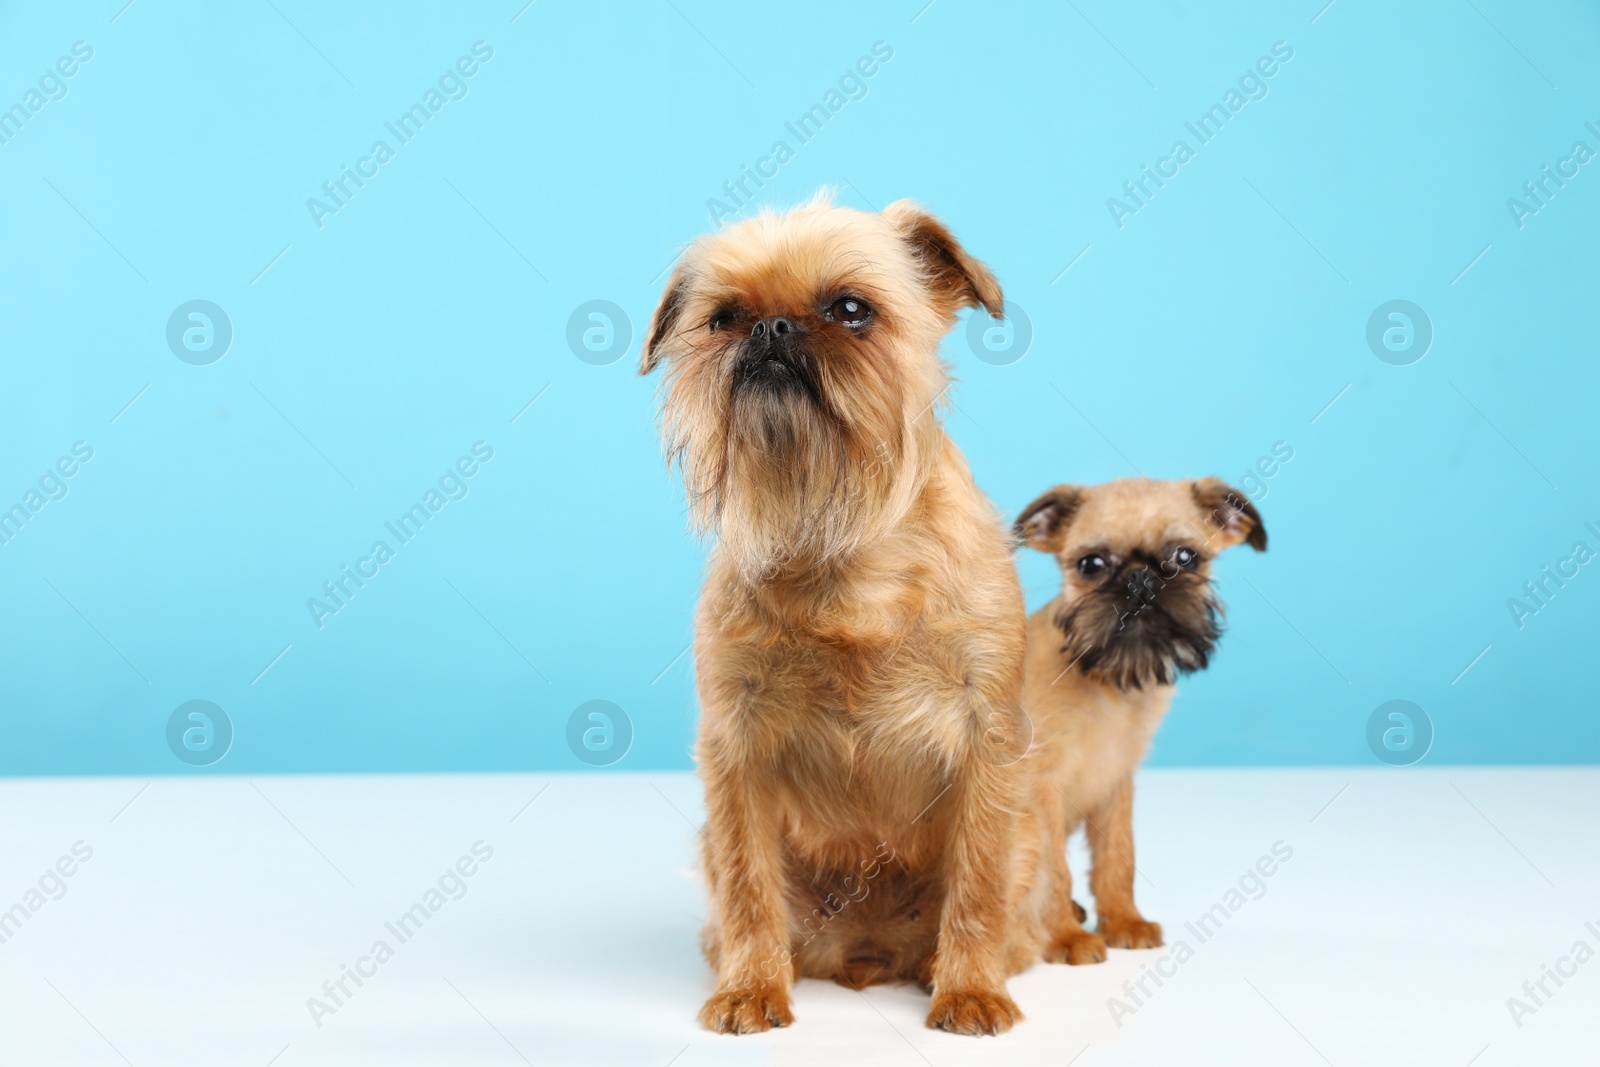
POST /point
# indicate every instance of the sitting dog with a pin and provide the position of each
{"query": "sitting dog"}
(1136, 609)
(859, 639)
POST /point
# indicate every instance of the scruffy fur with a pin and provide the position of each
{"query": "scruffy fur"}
(859, 639)
(1101, 662)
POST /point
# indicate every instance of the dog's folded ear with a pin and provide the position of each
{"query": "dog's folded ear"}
(956, 278)
(1043, 523)
(1230, 513)
(663, 321)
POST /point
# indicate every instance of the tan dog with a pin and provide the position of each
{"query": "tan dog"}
(1136, 609)
(859, 640)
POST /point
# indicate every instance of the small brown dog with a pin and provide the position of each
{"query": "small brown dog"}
(1136, 609)
(859, 640)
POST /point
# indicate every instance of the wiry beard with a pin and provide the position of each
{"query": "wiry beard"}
(784, 474)
(1130, 645)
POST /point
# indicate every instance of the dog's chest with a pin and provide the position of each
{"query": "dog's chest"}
(850, 724)
(849, 706)
(853, 687)
(867, 656)
(1106, 739)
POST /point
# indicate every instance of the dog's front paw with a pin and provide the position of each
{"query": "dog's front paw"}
(974, 1012)
(746, 1011)
(1077, 948)
(1123, 932)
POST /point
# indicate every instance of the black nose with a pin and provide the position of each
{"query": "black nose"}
(774, 326)
(1142, 583)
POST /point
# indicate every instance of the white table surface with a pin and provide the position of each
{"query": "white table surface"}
(213, 907)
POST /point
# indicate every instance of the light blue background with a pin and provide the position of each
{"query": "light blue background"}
(433, 307)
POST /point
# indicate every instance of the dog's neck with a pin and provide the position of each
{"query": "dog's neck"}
(1093, 681)
(799, 532)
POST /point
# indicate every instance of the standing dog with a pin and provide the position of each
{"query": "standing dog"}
(1136, 610)
(859, 639)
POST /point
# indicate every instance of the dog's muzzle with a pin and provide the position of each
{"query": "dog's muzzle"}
(1142, 585)
(769, 356)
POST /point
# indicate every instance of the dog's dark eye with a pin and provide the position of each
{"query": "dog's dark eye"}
(722, 318)
(850, 311)
(1186, 557)
(1089, 566)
